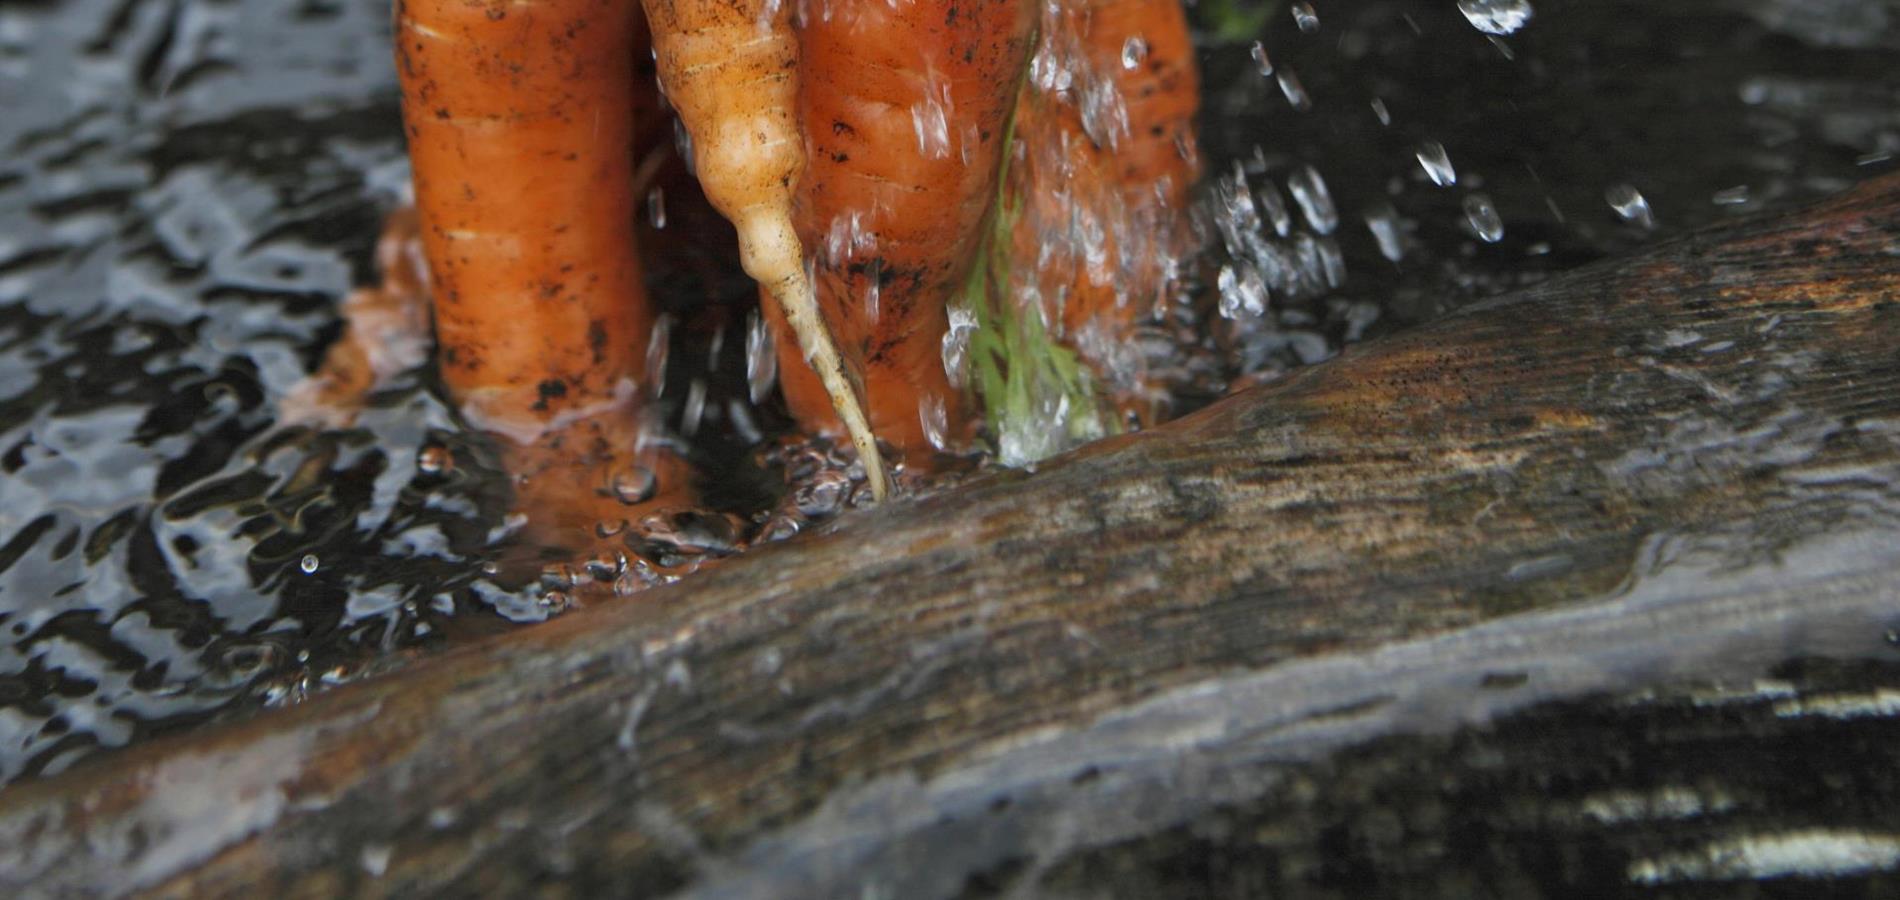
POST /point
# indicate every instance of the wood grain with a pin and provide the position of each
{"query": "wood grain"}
(1682, 465)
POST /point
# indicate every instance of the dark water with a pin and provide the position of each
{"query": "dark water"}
(188, 186)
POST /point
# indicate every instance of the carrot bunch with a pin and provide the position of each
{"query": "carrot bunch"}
(888, 168)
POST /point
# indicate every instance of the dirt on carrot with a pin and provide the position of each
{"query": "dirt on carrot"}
(520, 119)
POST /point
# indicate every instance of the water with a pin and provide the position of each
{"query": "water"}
(1630, 205)
(187, 189)
(1496, 16)
(1437, 164)
(1482, 217)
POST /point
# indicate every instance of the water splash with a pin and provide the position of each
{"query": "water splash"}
(1482, 217)
(1496, 17)
(1630, 206)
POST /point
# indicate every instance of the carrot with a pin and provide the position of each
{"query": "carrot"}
(520, 120)
(730, 68)
(905, 106)
(1110, 158)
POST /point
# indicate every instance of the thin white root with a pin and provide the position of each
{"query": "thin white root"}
(731, 69)
(772, 256)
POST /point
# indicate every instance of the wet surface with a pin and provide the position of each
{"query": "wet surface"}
(188, 187)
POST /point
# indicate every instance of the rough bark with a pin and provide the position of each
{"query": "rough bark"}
(1660, 476)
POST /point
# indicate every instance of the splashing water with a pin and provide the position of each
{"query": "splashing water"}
(1496, 16)
(1437, 164)
(1630, 205)
(1482, 216)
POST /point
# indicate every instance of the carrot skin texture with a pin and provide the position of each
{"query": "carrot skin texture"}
(1127, 173)
(520, 124)
(519, 120)
(905, 109)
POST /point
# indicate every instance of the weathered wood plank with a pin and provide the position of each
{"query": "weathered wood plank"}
(1684, 464)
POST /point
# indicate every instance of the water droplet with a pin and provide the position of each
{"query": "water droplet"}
(956, 344)
(1735, 196)
(932, 127)
(1378, 109)
(1496, 16)
(1134, 50)
(1630, 205)
(1305, 17)
(1295, 91)
(695, 408)
(1309, 191)
(1275, 205)
(375, 859)
(1483, 218)
(434, 459)
(935, 420)
(1437, 164)
(1383, 222)
(656, 207)
(657, 345)
(308, 564)
(634, 484)
(761, 360)
(1260, 59)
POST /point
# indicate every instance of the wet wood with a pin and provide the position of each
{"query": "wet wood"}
(1676, 469)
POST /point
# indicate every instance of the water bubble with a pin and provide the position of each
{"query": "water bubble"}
(1134, 50)
(1630, 205)
(434, 459)
(1260, 59)
(1496, 16)
(1437, 164)
(656, 207)
(1735, 196)
(634, 484)
(1378, 109)
(1483, 217)
(308, 564)
(1309, 191)
(1305, 16)
(1295, 91)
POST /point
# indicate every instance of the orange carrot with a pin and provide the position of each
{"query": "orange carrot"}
(730, 68)
(520, 121)
(1110, 160)
(905, 107)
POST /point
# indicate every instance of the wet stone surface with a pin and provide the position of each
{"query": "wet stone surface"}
(188, 187)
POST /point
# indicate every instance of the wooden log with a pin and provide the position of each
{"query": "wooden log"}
(1675, 469)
